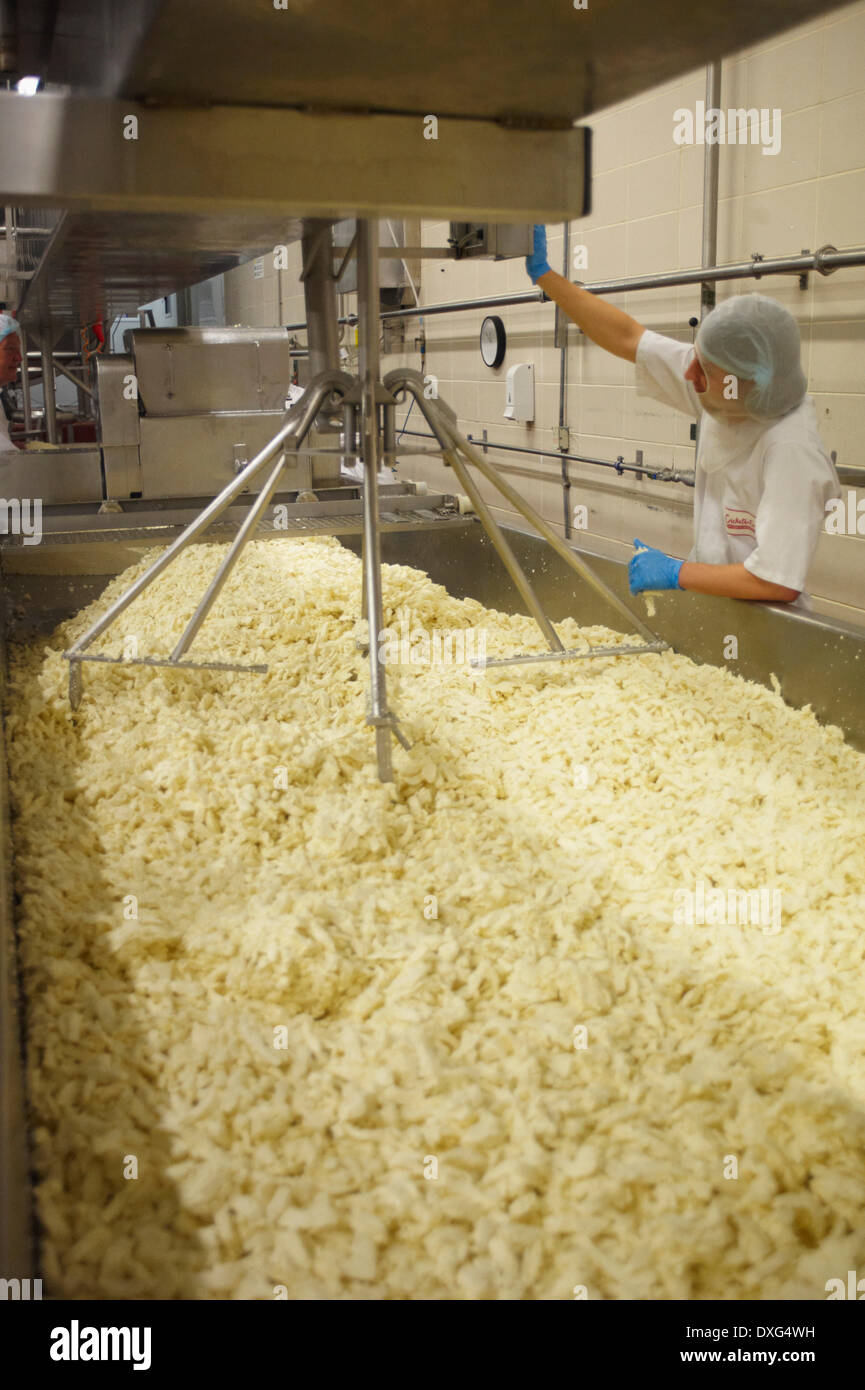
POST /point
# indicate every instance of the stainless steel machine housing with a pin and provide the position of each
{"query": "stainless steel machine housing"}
(185, 406)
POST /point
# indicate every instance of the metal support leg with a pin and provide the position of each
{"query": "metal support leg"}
(25, 389)
(81, 386)
(442, 421)
(509, 560)
(48, 395)
(519, 504)
(439, 426)
(319, 289)
(250, 522)
(319, 292)
(298, 423)
(363, 603)
(368, 325)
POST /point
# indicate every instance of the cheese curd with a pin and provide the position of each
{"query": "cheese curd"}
(292, 1032)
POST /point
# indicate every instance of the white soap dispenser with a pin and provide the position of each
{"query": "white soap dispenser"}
(520, 399)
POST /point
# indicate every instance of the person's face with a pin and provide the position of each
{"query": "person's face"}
(712, 382)
(10, 358)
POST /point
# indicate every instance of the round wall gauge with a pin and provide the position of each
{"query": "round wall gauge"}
(493, 341)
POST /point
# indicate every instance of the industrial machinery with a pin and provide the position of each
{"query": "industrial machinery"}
(184, 409)
(361, 401)
(175, 141)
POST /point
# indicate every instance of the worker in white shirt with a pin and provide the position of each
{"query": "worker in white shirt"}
(763, 476)
(10, 361)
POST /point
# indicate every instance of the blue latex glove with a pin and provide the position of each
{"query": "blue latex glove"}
(652, 569)
(537, 263)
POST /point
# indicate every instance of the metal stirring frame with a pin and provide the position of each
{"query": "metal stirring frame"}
(360, 399)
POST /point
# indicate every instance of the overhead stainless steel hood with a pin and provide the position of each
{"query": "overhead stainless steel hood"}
(252, 119)
(201, 189)
(546, 61)
(98, 266)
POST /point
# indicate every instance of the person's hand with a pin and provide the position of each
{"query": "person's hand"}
(537, 263)
(652, 569)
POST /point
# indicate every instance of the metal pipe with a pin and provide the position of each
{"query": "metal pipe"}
(665, 475)
(76, 381)
(349, 433)
(306, 408)
(319, 291)
(11, 257)
(368, 371)
(711, 158)
(572, 655)
(389, 431)
(444, 425)
(439, 423)
(823, 261)
(562, 322)
(58, 356)
(48, 393)
(250, 522)
(495, 301)
(507, 556)
(25, 387)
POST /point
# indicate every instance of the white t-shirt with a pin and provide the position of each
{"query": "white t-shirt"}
(765, 508)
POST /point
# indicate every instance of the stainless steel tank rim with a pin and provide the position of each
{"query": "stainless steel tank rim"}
(143, 515)
(313, 526)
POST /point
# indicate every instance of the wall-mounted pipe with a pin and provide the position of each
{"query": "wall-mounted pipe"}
(494, 301)
(661, 475)
(711, 157)
(824, 261)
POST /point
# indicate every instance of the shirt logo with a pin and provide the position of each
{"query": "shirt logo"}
(739, 522)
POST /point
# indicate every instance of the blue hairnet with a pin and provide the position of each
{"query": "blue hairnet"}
(8, 325)
(756, 339)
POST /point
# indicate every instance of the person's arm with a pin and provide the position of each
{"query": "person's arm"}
(609, 327)
(732, 581)
(651, 569)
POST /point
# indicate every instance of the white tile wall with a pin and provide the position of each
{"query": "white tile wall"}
(647, 217)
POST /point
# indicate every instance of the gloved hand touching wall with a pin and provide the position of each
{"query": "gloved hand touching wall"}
(537, 263)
